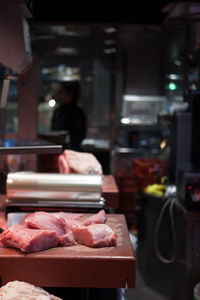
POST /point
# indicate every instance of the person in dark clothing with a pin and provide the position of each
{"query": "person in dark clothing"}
(68, 116)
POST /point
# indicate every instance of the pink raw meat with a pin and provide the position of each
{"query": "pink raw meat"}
(64, 215)
(63, 164)
(96, 235)
(29, 240)
(20, 290)
(98, 218)
(54, 221)
(44, 220)
(78, 162)
(73, 224)
(67, 239)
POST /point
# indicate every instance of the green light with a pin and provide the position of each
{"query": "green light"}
(172, 86)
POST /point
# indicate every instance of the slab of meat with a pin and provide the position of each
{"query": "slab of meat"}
(42, 230)
(98, 218)
(64, 215)
(54, 221)
(96, 235)
(73, 224)
(78, 162)
(67, 239)
(29, 240)
(63, 164)
(44, 220)
(20, 290)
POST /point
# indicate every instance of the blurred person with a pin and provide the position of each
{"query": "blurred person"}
(68, 116)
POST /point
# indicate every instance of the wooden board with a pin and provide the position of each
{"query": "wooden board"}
(110, 192)
(75, 266)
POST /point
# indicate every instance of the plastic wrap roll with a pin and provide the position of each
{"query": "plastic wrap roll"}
(29, 185)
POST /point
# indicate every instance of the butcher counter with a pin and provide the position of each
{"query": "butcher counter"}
(75, 266)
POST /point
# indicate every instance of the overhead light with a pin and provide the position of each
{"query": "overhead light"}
(129, 97)
(52, 102)
(76, 31)
(163, 144)
(109, 50)
(125, 120)
(110, 29)
(63, 50)
(172, 86)
(173, 76)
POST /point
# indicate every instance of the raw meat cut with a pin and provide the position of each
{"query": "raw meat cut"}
(98, 218)
(20, 290)
(42, 230)
(29, 240)
(63, 165)
(67, 239)
(44, 220)
(78, 162)
(55, 221)
(73, 224)
(64, 215)
(96, 235)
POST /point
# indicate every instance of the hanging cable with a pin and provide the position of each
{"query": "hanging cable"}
(171, 202)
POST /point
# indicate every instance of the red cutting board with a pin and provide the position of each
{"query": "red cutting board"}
(75, 266)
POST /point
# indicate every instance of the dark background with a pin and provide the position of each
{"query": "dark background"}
(99, 11)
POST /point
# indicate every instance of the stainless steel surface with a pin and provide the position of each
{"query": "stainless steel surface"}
(78, 204)
(31, 195)
(126, 150)
(138, 109)
(26, 146)
(4, 93)
(35, 187)
(144, 98)
(3, 101)
(54, 181)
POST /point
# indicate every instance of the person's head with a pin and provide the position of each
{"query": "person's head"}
(68, 92)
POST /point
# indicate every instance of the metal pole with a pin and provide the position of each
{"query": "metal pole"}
(112, 109)
(3, 101)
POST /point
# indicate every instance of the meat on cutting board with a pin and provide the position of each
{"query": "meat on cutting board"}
(96, 235)
(64, 215)
(44, 220)
(98, 218)
(73, 224)
(67, 239)
(42, 230)
(29, 240)
(20, 290)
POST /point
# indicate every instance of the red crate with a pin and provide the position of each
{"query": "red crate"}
(149, 168)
